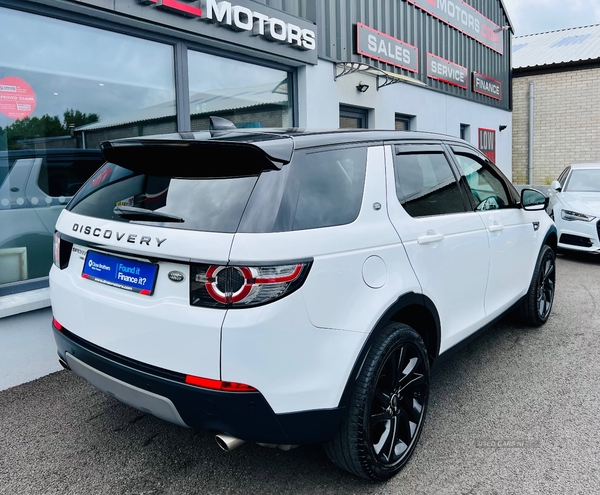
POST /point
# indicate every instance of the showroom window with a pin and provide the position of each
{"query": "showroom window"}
(64, 88)
(248, 95)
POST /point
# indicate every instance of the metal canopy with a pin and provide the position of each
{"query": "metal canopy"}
(384, 77)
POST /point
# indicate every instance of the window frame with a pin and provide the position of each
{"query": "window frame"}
(355, 113)
(566, 173)
(421, 147)
(407, 119)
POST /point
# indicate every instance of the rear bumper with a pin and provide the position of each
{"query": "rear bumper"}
(245, 415)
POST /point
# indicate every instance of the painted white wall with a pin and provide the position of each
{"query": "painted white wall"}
(320, 96)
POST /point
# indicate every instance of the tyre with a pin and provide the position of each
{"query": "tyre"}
(536, 306)
(387, 408)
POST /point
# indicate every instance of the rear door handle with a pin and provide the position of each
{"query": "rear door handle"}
(496, 227)
(430, 238)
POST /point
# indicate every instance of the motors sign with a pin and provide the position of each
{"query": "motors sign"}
(385, 48)
(487, 86)
(466, 19)
(487, 143)
(246, 27)
(443, 70)
(240, 18)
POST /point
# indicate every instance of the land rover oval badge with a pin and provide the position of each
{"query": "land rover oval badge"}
(176, 276)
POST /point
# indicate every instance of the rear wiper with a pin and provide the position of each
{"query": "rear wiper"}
(132, 213)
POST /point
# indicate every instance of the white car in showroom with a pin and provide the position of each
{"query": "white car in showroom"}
(575, 207)
(290, 287)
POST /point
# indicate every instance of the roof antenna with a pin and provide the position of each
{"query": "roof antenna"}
(220, 124)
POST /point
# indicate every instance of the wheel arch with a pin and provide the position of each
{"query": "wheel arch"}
(414, 310)
(552, 238)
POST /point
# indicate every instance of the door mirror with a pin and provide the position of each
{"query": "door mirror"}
(532, 200)
(556, 186)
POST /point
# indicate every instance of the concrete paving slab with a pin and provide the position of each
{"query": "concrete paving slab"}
(27, 349)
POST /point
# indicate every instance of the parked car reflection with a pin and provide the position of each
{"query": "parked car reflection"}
(35, 185)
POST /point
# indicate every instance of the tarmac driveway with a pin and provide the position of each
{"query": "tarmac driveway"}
(517, 411)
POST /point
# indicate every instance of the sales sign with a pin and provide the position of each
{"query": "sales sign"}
(487, 86)
(487, 143)
(466, 19)
(443, 70)
(385, 48)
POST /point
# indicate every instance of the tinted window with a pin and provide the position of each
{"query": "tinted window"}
(212, 205)
(63, 176)
(331, 188)
(317, 189)
(425, 184)
(487, 190)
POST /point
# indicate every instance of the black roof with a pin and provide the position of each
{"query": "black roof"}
(277, 144)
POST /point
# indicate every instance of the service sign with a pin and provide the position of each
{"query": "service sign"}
(443, 70)
(385, 48)
(487, 86)
(487, 143)
(466, 19)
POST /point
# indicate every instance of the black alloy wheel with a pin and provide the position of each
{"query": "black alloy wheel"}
(397, 407)
(536, 306)
(387, 409)
(545, 295)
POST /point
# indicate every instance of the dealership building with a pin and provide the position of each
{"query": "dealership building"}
(76, 72)
(556, 117)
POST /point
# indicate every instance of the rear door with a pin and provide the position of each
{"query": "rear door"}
(446, 243)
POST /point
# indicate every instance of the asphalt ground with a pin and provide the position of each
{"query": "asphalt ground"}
(516, 411)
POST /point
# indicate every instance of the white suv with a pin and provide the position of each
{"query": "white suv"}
(292, 287)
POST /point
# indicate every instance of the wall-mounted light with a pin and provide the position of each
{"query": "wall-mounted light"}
(502, 127)
(503, 28)
(362, 87)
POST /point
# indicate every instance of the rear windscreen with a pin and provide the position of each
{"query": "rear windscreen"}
(211, 205)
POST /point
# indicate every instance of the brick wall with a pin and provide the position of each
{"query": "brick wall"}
(566, 123)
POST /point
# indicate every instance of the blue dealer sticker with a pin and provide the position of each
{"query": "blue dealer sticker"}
(131, 275)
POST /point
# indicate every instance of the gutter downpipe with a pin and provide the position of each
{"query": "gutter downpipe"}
(531, 100)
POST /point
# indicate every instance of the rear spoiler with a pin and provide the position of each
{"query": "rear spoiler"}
(199, 158)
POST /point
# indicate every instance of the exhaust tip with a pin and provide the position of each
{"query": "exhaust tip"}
(64, 364)
(227, 442)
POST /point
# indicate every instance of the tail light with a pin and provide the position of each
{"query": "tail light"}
(244, 286)
(62, 251)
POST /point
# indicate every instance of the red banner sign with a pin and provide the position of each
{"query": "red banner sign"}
(487, 143)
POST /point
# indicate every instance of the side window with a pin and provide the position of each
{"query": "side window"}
(487, 190)
(64, 176)
(331, 188)
(425, 184)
